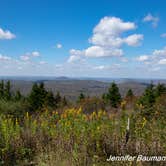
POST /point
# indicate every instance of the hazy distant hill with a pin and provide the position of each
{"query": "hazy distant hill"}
(72, 88)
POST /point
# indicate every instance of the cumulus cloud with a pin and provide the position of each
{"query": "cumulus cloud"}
(107, 67)
(142, 58)
(98, 51)
(25, 58)
(107, 39)
(150, 18)
(6, 34)
(162, 62)
(4, 58)
(161, 52)
(25, 64)
(157, 57)
(59, 45)
(101, 67)
(73, 58)
(163, 35)
(134, 40)
(28, 55)
(75, 55)
(42, 62)
(93, 52)
(35, 53)
(124, 59)
(109, 30)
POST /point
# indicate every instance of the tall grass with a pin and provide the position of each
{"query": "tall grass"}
(75, 138)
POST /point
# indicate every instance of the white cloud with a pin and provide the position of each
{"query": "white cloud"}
(94, 52)
(134, 40)
(98, 51)
(4, 58)
(75, 55)
(99, 67)
(143, 58)
(113, 26)
(107, 39)
(59, 45)
(73, 58)
(161, 52)
(6, 34)
(107, 67)
(162, 62)
(42, 62)
(109, 30)
(28, 55)
(76, 52)
(25, 65)
(124, 59)
(35, 53)
(25, 58)
(156, 58)
(150, 18)
(163, 35)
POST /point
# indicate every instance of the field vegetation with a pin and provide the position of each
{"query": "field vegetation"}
(45, 129)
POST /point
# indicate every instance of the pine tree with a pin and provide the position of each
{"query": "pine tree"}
(160, 90)
(18, 95)
(34, 97)
(1, 89)
(129, 93)
(50, 100)
(81, 97)
(104, 96)
(113, 96)
(148, 98)
(42, 93)
(58, 99)
(64, 101)
(7, 91)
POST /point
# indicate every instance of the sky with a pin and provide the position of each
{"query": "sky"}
(82, 38)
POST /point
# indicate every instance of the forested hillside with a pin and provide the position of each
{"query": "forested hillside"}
(72, 88)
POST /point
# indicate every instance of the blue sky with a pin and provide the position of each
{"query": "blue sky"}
(108, 38)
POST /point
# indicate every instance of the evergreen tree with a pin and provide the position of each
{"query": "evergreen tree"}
(160, 90)
(7, 91)
(113, 96)
(148, 98)
(81, 97)
(64, 101)
(129, 93)
(58, 98)
(104, 96)
(50, 100)
(42, 93)
(18, 95)
(1, 89)
(34, 97)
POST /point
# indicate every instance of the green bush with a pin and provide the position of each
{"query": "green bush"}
(16, 109)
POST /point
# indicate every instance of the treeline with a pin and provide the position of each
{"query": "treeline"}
(40, 97)
(5, 92)
(15, 103)
(153, 98)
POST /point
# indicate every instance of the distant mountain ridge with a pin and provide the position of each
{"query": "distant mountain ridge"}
(102, 79)
(72, 87)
